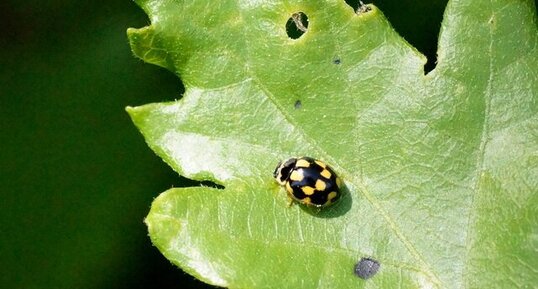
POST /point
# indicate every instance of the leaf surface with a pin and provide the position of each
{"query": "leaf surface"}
(440, 169)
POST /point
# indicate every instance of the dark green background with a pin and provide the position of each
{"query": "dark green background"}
(76, 178)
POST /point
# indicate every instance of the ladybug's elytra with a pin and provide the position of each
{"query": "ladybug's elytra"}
(309, 181)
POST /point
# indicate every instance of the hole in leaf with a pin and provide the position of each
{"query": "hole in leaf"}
(366, 268)
(337, 61)
(297, 25)
(358, 6)
(298, 104)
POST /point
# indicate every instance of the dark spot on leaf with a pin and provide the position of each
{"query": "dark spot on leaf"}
(366, 268)
(297, 25)
(337, 61)
(298, 104)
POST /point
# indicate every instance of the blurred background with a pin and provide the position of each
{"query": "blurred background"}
(76, 178)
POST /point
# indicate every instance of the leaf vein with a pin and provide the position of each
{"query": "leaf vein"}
(362, 188)
(479, 164)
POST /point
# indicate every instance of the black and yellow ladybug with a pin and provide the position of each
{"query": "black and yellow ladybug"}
(309, 181)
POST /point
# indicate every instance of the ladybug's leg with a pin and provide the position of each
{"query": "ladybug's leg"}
(290, 201)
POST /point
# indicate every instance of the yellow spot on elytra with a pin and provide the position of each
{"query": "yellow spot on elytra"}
(320, 185)
(321, 164)
(297, 175)
(306, 201)
(308, 190)
(338, 182)
(331, 196)
(326, 173)
(302, 163)
(288, 188)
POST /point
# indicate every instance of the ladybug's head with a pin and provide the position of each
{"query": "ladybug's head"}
(283, 169)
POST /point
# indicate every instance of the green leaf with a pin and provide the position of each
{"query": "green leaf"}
(441, 169)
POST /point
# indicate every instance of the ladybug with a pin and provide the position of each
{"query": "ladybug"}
(309, 181)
